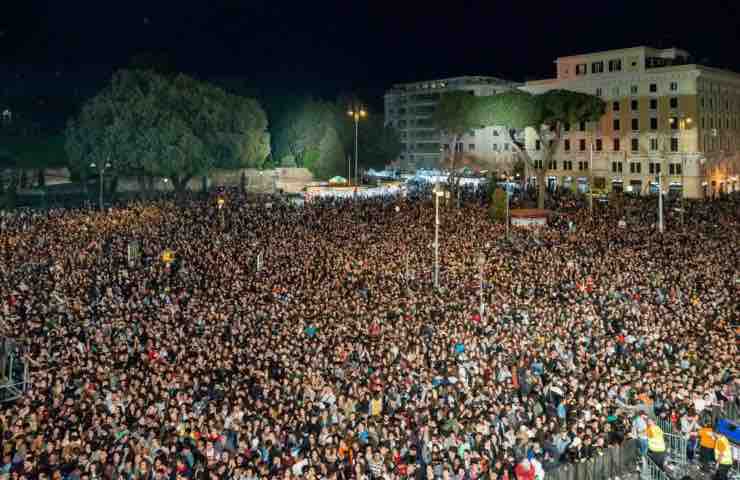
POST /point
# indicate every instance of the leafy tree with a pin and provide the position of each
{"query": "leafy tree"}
(299, 132)
(378, 144)
(543, 116)
(288, 161)
(497, 210)
(149, 125)
(453, 117)
(330, 159)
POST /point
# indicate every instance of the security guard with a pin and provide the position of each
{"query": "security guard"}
(656, 443)
(723, 456)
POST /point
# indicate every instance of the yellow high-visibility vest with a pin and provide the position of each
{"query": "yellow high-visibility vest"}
(722, 451)
(656, 441)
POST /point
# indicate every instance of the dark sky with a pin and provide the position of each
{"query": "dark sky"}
(328, 47)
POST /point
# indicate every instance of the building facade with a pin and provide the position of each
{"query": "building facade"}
(409, 108)
(665, 115)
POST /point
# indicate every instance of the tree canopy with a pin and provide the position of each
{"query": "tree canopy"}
(298, 133)
(175, 127)
(544, 115)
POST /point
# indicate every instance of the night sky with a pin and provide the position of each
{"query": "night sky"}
(327, 48)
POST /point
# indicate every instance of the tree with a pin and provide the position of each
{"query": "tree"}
(453, 117)
(299, 132)
(378, 144)
(328, 161)
(497, 210)
(543, 117)
(149, 125)
(288, 161)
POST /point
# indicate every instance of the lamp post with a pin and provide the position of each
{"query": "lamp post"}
(221, 202)
(438, 193)
(356, 113)
(481, 264)
(101, 171)
(660, 202)
(685, 121)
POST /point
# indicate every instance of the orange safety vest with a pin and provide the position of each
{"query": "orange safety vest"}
(706, 439)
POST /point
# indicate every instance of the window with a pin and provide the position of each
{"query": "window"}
(634, 90)
(616, 167)
(616, 144)
(582, 144)
(635, 144)
(615, 124)
(598, 92)
(537, 145)
(674, 169)
(674, 123)
(567, 165)
(653, 87)
(507, 147)
(582, 166)
(634, 105)
(654, 168)
(674, 86)
(599, 145)
(471, 147)
(653, 144)
(495, 147)
(582, 69)
(566, 145)
(635, 167)
(538, 164)
(615, 65)
(674, 144)
(653, 104)
(552, 165)
(674, 102)
(597, 67)
(615, 106)
(582, 126)
(635, 124)
(653, 123)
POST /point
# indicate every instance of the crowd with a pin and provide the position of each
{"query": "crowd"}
(333, 357)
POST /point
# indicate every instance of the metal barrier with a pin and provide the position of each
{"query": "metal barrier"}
(677, 447)
(615, 461)
(650, 471)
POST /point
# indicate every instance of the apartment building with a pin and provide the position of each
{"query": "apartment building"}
(409, 107)
(665, 115)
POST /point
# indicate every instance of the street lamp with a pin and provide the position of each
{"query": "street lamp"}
(101, 172)
(481, 264)
(660, 202)
(684, 123)
(356, 113)
(438, 193)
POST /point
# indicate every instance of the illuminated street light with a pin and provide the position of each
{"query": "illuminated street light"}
(101, 172)
(356, 114)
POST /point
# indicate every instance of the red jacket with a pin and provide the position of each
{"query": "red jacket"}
(522, 474)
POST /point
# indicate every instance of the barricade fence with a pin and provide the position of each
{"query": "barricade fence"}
(614, 462)
(651, 471)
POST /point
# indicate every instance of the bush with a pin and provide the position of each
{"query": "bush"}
(288, 161)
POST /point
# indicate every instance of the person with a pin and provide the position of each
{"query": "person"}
(706, 445)
(723, 456)
(639, 431)
(656, 443)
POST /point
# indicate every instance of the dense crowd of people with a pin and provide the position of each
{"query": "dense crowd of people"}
(333, 357)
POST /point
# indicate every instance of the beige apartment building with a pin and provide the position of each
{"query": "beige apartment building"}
(665, 115)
